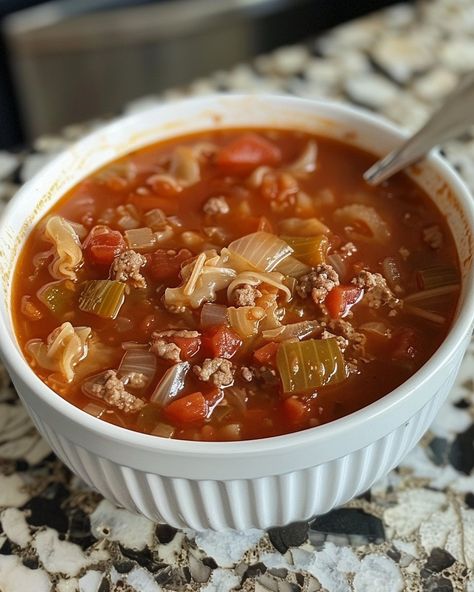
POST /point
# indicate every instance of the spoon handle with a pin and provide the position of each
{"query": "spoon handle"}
(450, 120)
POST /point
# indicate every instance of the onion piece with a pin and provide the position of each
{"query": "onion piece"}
(337, 262)
(368, 217)
(311, 364)
(261, 251)
(139, 361)
(213, 314)
(293, 331)
(140, 239)
(156, 219)
(92, 380)
(171, 384)
(245, 319)
(306, 162)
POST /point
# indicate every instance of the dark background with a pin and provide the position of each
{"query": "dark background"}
(289, 27)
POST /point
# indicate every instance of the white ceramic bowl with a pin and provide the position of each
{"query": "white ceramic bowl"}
(257, 483)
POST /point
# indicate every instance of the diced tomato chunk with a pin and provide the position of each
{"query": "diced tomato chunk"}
(214, 397)
(295, 410)
(188, 409)
(102, 245)
(189, 346)
(246, 153)
(340, 300)
(266, 355)
(220, 342)
(163, 265)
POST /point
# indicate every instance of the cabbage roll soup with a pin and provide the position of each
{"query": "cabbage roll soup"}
(234, 284)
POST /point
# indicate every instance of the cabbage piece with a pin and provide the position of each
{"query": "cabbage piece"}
(311, 364)
(65, 347)
(245, 319)
(367, 217)
(261, 251)
(67, 252)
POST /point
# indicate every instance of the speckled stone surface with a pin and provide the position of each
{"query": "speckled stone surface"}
(414, 531)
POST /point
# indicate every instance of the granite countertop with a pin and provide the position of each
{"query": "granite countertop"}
(414, 530)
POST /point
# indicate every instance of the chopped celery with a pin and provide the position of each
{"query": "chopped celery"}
(103, 298)
(434, 300)
(311, 250)
(437, 277)
(311, 364)
(59, 297)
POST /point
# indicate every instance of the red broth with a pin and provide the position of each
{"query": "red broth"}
(338, 293)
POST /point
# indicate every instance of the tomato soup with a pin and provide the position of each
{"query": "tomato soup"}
(234, 284)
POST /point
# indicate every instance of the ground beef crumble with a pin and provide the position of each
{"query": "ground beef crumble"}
(355, 341)
(126, 266)
(216, 205)
(433, 236)
(111, 389)
(377, 292)
(166, 349)
(246, 295)
(319, 282)
(216, 370)
(342, 342)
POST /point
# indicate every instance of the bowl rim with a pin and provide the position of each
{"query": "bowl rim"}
(338, 428)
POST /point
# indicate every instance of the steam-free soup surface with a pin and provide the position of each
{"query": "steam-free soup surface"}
(233, 285)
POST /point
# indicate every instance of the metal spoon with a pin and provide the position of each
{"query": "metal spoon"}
(450, 120)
